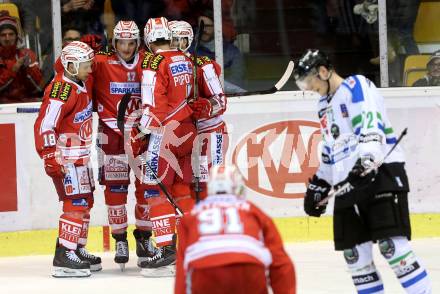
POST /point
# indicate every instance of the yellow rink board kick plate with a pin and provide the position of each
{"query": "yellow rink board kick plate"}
(292, 229)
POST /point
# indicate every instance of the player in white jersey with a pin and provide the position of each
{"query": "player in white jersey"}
(357, 135)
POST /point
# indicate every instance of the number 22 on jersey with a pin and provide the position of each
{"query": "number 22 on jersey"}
(220, 220)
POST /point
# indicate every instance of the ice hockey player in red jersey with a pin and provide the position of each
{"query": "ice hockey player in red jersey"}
(227, 244)
(114, 75)
(167, 82)
(63, 138)
(208, 108)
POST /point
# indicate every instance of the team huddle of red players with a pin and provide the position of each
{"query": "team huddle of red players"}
(171, 136)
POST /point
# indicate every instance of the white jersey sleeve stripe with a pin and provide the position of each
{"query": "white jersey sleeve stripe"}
(147, 87)
(51, 117)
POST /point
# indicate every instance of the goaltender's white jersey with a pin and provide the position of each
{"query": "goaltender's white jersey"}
(353, 123)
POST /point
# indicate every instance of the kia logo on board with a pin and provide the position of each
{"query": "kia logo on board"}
(277, 159)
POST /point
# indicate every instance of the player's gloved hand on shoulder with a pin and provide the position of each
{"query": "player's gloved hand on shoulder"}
(201, 108)
(317, 189)
(51, 166)
(94, 41)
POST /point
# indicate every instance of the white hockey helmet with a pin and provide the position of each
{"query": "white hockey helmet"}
(126, 30)
(156, 29)
(181, 29)
(76, 52)
(225, 180)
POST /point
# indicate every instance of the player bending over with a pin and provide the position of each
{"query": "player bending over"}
(228, 245)
(357, 134)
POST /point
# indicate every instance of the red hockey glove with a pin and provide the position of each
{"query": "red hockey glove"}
(138, 142)
(201, 108)
(52, 167)
(94, 41)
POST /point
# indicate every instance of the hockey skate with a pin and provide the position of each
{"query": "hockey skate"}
(94, 261)
(144, 246)
(66, 264)
(162, 264)
(121, 255)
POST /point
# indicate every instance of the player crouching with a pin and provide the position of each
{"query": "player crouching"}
(226, 244)
(63, 137)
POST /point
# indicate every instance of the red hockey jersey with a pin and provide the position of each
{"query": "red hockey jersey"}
(167, 82)
(65, 121)
(222, 230)
(113, 78)
(208, 73)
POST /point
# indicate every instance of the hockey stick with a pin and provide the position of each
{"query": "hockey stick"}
(196, 158)
(348, 185)
(278, 86)
(121, 126)
(163, 188)
(123, 104)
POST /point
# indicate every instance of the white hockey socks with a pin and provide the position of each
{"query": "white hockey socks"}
(411, 274)
(360, 263)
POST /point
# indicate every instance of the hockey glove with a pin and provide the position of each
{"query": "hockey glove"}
(138, 142)
(201, 108)
(94, 41)
(361, 176)
(317, 189)
(52, 167)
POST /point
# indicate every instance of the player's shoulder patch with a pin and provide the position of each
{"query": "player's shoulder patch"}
(105, 53)
(152, 61)
(60, 90)
(202, 60)
(147, 58)
(55, 90)
(155, 61)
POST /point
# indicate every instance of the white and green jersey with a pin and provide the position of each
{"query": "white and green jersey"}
(354, 123)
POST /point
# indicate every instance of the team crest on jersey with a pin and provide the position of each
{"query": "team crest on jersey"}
(154, 64)
(65, 92)
(335, 131)
(55, 91)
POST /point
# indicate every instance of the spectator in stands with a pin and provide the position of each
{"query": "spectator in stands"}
(83, 14)
(232, 57)
(71, 34)
(432, 78)
(138, 10)
(20, 75)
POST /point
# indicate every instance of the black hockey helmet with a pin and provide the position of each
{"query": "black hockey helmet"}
(309, 61)
(307, 68)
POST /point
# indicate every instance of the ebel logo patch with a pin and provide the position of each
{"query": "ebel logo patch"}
(278, 158)
(124, 88)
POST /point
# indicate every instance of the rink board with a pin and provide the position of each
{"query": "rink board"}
(273, 141)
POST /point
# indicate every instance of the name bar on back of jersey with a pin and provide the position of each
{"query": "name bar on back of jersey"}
(124, 88)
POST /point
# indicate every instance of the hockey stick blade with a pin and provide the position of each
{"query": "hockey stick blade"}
(123, 104)
(278, 86)
(347, 185)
